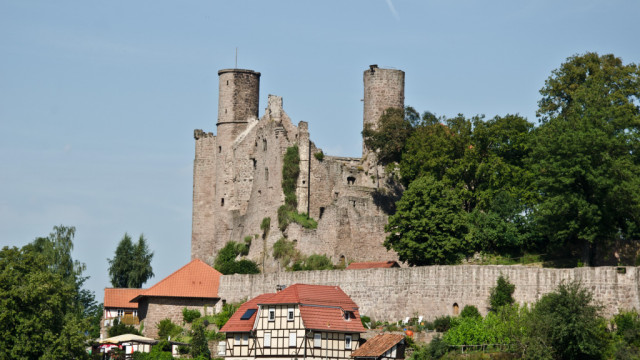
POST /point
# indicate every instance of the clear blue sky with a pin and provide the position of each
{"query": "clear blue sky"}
(99, 100)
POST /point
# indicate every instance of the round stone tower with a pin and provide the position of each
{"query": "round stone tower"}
(383, 88)
(237, 102)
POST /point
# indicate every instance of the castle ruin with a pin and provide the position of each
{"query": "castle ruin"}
(237, 178)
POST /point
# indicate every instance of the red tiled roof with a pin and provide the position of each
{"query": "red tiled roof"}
(378, 345)
(329, 319)
(313, 295)
(322, 307)
(194, 280)
(372, 265)
(234, 324)
(121, 298)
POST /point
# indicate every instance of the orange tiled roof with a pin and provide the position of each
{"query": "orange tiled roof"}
(235, 324)
(194, 280)
(372, 265)
(121, 298)
(377, 345)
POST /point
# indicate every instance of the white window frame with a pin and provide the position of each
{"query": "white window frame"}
(120, 312)
(293, 340)
(317, 340)
(272, 314)
(236, 339)
(290, 314)
(245, 339)
(267, 339)
(347, 342)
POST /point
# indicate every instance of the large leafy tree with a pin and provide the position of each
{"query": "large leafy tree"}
(429, 224)
(131, 265)
(482, 164)
(42, 306)
(586, 154)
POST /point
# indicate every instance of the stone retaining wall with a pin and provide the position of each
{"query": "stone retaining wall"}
(431, 291)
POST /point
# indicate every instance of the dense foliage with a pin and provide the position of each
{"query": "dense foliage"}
(226, 262)
(188, 315)
(502, 186)
(563, 324)
(288, 212)
(501, 294)
(166, 329)
(199, 346)
(44, 311)
(131, 265)
(119, 328)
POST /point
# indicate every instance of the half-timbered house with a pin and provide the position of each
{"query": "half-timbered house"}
(301, 321)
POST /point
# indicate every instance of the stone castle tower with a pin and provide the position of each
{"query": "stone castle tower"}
(237, 178)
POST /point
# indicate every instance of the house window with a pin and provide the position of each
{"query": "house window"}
(267, 339)
(120, 312)
(135, 312)
(236, 339)
(245, 339)
(272, 314)
(317, 340)
(292, 339)
(290, 314)
(347, 342)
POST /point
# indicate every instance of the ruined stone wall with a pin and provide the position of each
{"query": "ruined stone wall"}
(153, 310)
(204, 191)
(238, 176)
(431, 291)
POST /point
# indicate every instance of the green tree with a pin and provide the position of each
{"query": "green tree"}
(42, 305)
(199, 346)
(569, 323)
(501, 294)
(586, 155)
(429, 225)
(131, 265)
(389, 138)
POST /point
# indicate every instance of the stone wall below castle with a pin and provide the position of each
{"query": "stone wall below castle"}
(431, 291)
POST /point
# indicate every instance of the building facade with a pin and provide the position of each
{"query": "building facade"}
(301, 321)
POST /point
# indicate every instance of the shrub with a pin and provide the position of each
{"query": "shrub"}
(470, 311)
(285, 251)
(264, 226)
(319, 155)
(317, 262)
(167, 328)
(366, 321)
(501, 294)
(189, 315)
(121, 329)
(442, 323)
(227, 311)
(226, 263)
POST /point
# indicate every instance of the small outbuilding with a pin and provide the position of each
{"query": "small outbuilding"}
(381, 347)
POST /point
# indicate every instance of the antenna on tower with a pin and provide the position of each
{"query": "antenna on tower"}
(236, 57)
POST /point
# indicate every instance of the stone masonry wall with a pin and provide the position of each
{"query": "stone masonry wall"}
(431, 291)
(153, 310)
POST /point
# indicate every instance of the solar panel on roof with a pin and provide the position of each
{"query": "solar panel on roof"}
(247, 315)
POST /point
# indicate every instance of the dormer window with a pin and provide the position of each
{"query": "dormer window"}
(348, 315)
